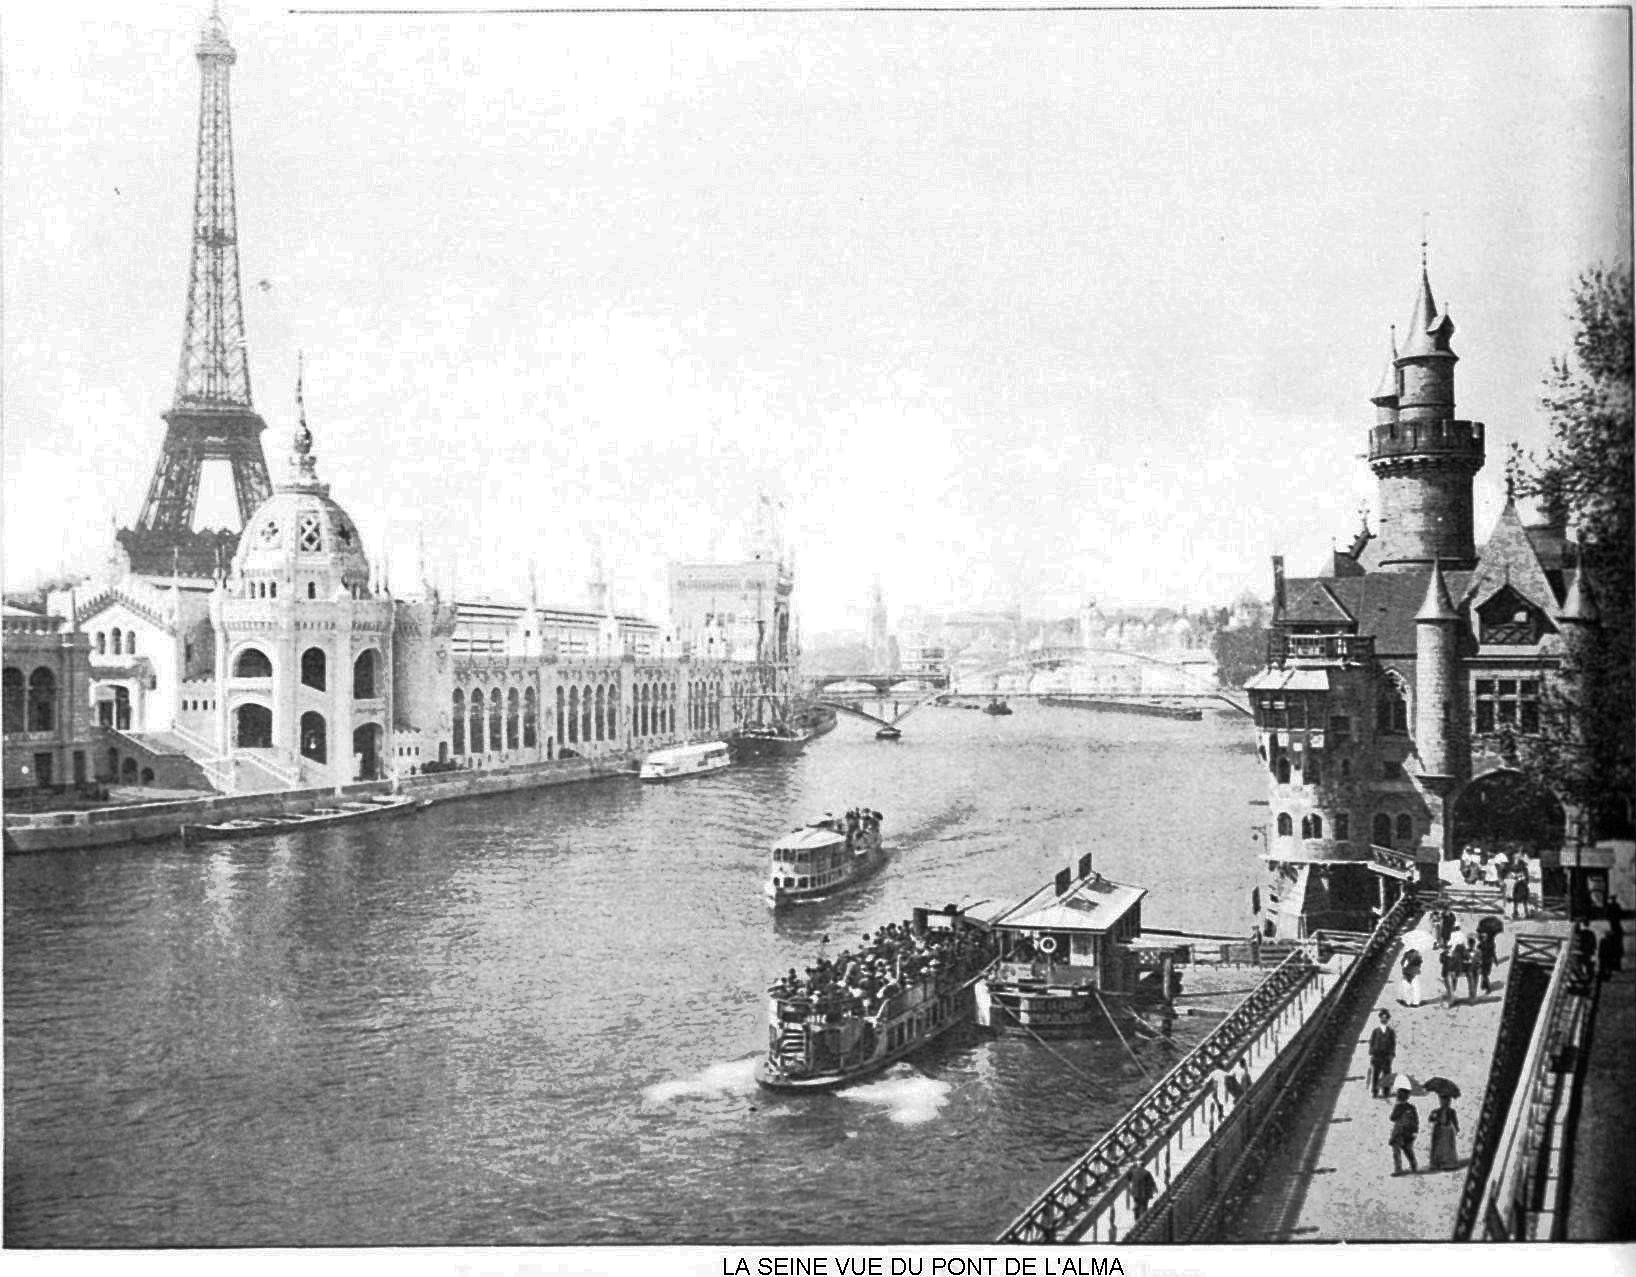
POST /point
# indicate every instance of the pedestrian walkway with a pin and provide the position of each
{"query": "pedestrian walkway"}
(1335, 1181)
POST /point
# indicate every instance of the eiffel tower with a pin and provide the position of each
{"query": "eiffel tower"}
(212, 417)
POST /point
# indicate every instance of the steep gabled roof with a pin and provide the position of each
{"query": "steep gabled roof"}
(1382, 605)
(1509, 556)
(1313, 603)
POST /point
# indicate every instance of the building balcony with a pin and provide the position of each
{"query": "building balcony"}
(1319, 649)
(1445, 437)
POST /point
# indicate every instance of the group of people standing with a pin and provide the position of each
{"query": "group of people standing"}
(1461, 956)
(1497, 869)
(889, 961)
(1404, 1118)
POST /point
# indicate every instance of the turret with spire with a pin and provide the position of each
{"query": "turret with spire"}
(1423, 457)
(1439, 712)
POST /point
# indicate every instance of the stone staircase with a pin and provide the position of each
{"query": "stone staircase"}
(174, 765)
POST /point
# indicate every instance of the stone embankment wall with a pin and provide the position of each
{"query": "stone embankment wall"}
(151, 822)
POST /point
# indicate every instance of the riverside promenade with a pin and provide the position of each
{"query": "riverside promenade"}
(1334, 1182)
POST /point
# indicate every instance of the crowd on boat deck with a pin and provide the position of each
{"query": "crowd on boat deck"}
(890, 960)
(860, 820)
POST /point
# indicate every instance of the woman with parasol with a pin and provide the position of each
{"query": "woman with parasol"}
(1415, 945)
(1445, 1124)
(1487, 929)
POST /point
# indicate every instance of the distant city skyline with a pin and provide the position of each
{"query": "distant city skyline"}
(1004, 308)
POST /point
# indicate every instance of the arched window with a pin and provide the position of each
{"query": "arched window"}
(573, 715)
(458, 718)
(147, 775)
(130, 643)
(476, 720)
(273, 589)
(531, 708)
(1382, 832)
(1286, 826)
(366, 676)
(585, 714)
(312, 589)
(253, 727)
(497, 741)
(1405, 830)
(513, 727)
(1312, 826)
(127, 772)
(616, 728)
(312, 668)
(314, 737)
(601, 710)
(1283, 770)
(102, 643)
(562, 726)
(119, 641)
(15, 715)
(252, 663)
(122, 708)
(42, 700)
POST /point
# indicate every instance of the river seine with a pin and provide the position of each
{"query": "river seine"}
(533, 1019)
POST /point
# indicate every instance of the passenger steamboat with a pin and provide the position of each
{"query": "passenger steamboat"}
(1072, 961)
(853, 1017)
(825, 857)
(685, 760)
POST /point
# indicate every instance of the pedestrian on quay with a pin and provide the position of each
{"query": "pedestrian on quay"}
(1405, 1119)
(1452, 962)
(1468, 968)
(1142, 1188)
(1445, 929)
(1486, 958)
(1409, 988)
(1382, 1051)
(1444, 1126)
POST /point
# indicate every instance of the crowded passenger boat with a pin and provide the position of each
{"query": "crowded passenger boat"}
(825, 857)
(851, 1016)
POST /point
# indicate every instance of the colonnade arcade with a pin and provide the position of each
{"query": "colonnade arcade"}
(488, 719)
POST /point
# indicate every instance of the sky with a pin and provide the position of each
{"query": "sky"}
(1004, 308)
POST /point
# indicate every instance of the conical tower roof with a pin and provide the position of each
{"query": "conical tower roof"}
(1386, 393)
(1430, 329)
(1580, 605)
(1438, 606)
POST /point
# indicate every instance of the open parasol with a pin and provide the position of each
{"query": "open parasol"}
(1441, 1086)
(1491, 925)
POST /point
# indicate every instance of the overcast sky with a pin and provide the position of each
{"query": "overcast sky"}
(1004, 307)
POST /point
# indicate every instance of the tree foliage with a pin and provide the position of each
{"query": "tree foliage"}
(1589, 475)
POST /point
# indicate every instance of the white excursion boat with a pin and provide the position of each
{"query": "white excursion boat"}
(855, 1016)
(685, 760)
(825, 857)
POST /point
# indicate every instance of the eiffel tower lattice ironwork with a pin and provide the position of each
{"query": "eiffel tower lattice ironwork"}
(212, 417)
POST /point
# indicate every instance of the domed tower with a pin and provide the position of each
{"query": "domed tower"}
(1422, 456)
(304, 648)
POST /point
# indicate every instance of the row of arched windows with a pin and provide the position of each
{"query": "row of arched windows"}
(704, 707)
(30, 706)
(590, 714)
(1383, 833)
(123, 643)
(495, 721)
(252, 662)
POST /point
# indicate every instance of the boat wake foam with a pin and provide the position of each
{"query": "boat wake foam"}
(909, 1098)
(715, 1079)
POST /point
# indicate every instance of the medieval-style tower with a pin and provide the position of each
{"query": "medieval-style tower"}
(212, 417)
(1423, 457)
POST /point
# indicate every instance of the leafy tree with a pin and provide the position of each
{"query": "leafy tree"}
(1589, 475)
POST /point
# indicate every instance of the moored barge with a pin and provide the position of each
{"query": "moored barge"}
(1072, 961)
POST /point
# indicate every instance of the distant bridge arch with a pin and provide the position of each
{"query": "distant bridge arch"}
(1052, 658)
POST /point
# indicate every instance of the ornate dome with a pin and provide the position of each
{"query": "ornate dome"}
(299, 537)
